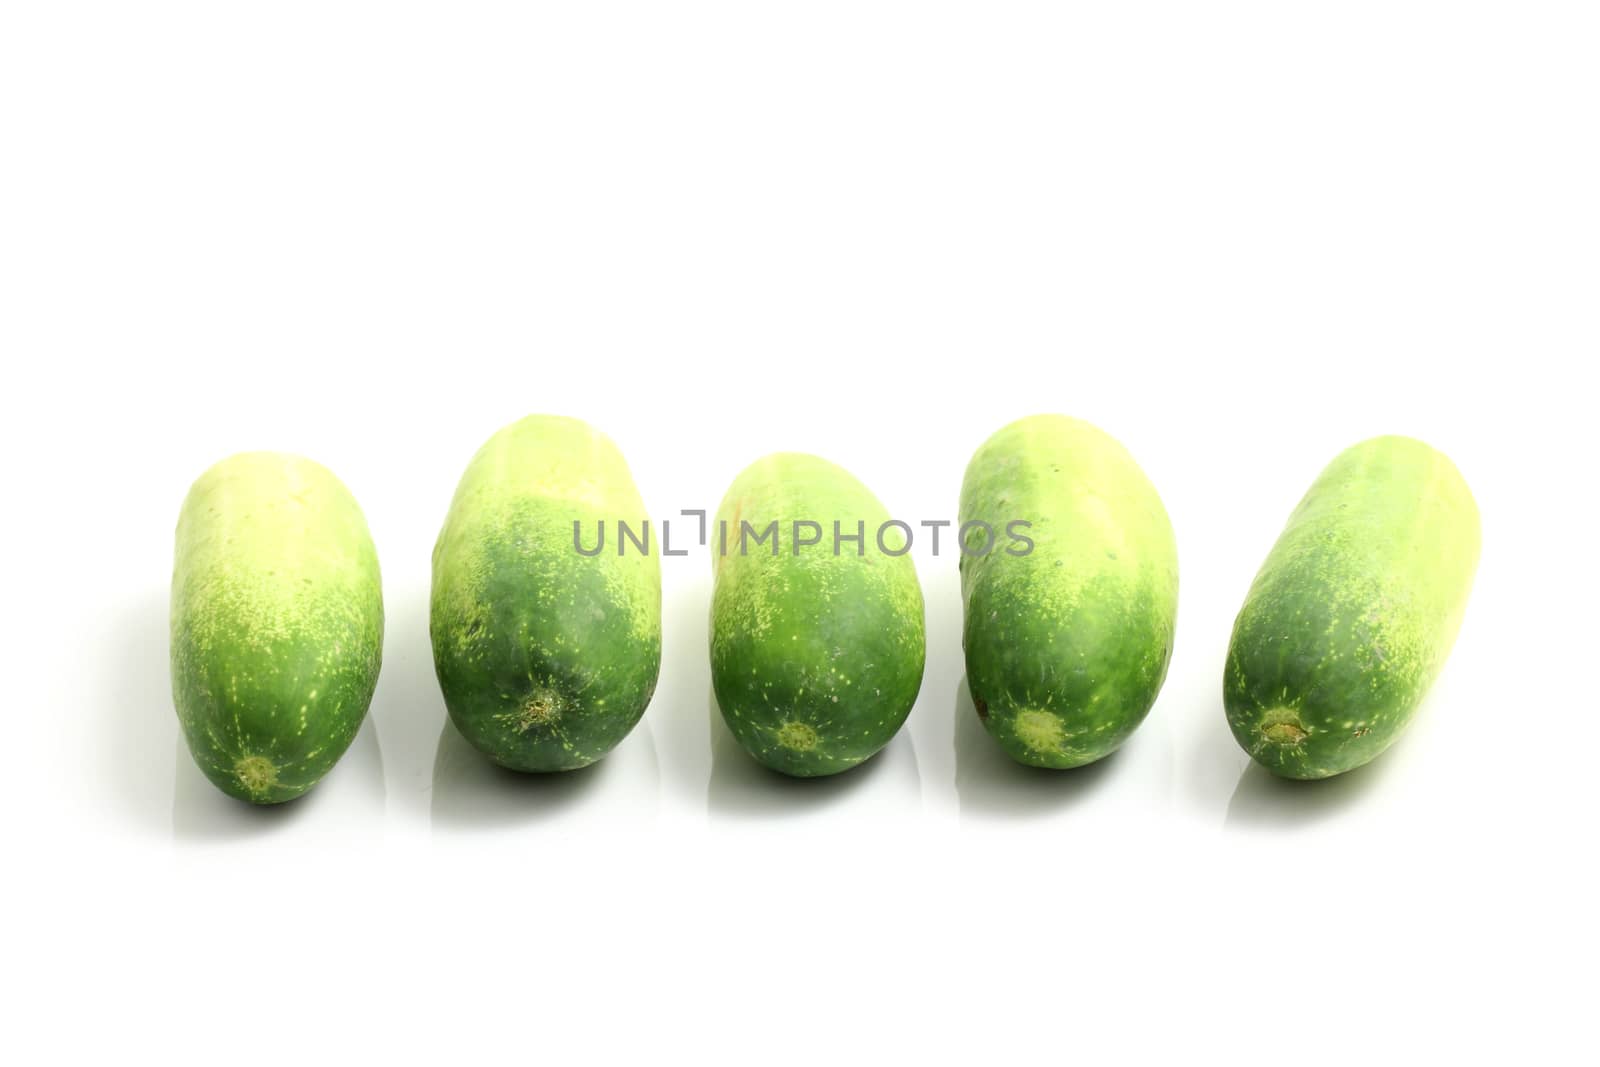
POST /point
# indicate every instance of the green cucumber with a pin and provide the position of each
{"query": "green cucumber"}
(277, 624)
(547, 657)
(1067, 644)
(1353, 614)
(816, 656)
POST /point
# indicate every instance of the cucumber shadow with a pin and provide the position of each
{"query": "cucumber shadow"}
(1217, 763)
(136, 723)
(471, 792)
(675, 711)
(990, 784)
(742, 787)
(202, 812)
(407, 707)
(1262, 800)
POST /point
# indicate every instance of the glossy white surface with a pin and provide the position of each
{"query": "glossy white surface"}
(1237, 237)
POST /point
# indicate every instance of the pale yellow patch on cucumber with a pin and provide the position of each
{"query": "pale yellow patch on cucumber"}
(1100, 533)
(271, 548)
(520, 496)
(1282, 726)
(1040, 730)
(754, 591)
(542, 708)
(256, 773)
(798, 736)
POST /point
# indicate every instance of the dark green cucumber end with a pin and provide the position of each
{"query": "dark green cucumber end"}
(1283, 742)
(255, 780)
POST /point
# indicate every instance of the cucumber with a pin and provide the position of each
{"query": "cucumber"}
(1067, 644)
(547, 657)
(1352, 615)
(277, 624)
(816, 657)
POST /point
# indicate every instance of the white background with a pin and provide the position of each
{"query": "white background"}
(1239, 237)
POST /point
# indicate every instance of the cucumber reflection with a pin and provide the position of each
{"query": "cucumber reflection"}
(1264, 800)
(471, 792)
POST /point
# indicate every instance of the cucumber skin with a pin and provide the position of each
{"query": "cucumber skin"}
(816, 659)
(1354, 611)
(277, 624)
(1067, 646)
(546, 658)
